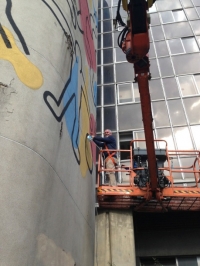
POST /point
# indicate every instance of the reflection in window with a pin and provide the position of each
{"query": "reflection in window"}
(110, 118)
(191, 13)
(196, 2)
(136, 93)
(176, 112)
(185, 62)
(107, 56)
(124, 72)
(195, 132)
(171, 87)
(156, 90)
(192, 106)
(109, 94)
(130, 116)
(160, 114)
(161, 48)
(179, 15)
(157, 33)
(106, 13)
(152, 51)
(187, 85)
(168, 5)
(174, 30)
(99, 89)
(166, 66)
(139, 135)
(195, 26)
(167, 17)
(165, 134)
(119, 55)
(108, 74)
(107, 40)
(175, 46)
(125, 93)
(197, 81)
(183, 139)
(186, 261)
(186, 3)
(190, 45)
(154, 68)
(99, 128)
(107, 25)
(124, 142)
(155, 20)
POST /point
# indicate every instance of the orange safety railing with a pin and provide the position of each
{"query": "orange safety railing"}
(132, 194)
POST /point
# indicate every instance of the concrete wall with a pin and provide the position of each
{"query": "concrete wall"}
(115, 245)
(47, 105)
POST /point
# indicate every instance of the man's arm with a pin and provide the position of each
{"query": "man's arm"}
(105, 140)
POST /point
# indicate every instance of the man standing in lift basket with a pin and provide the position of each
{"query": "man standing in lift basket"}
(108, 143)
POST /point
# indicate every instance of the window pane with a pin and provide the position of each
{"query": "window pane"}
(107, 40)
(98, 75)
(99, 120)
(156, 90)
(176, 46)
(98, 57)
(107, 25)
(176, 112)
(119, 55)
(152, 51)
(183, 138)
(154, 69)
(161, 48)
(186, 3)
(187, 85)
(186, 261)
(155, 20)
(106, 13)
(168, 5)
(124, 72)
(167, 17)
(166, 66)
(171, 88)
(179, 15)
(109, 94)
(108, 74)
(160, 114)
(107, 56)
(184, 62)
(195, 26)
(197, 79)
(110, 118)
(136, 92)
(130, 116)
(195, 131)
(157, 33)
(192, 106)
(190, 45)
(99, 89)
(196, 2)
(174, 30)
(125, 93)
(191, 13)
(165, 134)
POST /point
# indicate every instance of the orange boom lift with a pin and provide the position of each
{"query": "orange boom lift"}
(150, 186)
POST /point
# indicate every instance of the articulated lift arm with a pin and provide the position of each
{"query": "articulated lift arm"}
(135, 45)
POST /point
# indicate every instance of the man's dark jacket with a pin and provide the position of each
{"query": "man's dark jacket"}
(109, 141)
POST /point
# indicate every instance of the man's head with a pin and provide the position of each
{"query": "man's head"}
(107, 132)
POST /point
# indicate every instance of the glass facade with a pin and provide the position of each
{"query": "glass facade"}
(175, 68)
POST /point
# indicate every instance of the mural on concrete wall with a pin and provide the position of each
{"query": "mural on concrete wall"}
(74, 95)
(27, 72)
(81, 81)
